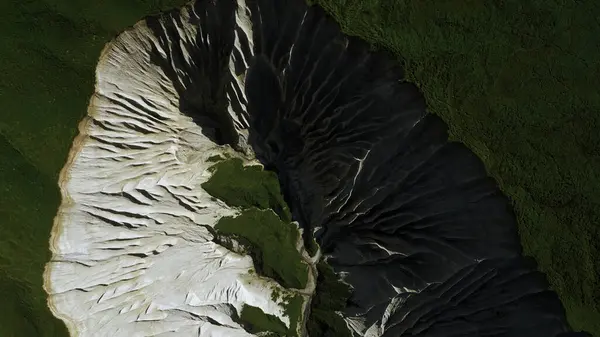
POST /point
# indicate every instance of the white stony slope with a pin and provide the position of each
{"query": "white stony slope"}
(132, 254)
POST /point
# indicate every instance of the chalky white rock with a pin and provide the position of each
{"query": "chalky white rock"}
(132, 252)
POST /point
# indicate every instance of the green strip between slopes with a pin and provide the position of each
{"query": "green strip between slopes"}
(265, 232)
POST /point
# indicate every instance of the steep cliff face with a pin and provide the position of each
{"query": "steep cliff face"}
(413, 238)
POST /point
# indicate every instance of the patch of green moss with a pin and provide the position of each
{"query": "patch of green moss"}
(293, 310)
(264, 231)
(271, 243)
(292, 303)
(277, 294)
(312, 247)
(513, 81)
(330, 296)
(49, 51)
(268, 237)
(247, 186)
(257, 321)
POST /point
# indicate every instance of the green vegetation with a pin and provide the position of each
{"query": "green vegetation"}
(517, 81)
(331, 296)
(247, 186)
(257, 321)
(268, 237)
(293, 310)
(215, 159)
(271, 243)
(49, 52)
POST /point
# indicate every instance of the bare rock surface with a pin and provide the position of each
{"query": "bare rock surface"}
(132, 249)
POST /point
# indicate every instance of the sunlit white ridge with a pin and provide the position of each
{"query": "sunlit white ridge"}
(132, 250)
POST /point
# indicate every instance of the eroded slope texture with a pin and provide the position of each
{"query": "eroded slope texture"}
(424, 237)
(411, 221)
(133, 248)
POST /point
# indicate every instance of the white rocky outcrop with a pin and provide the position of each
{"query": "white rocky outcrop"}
(132, 250)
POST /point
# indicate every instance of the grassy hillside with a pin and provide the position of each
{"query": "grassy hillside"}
(517, 82)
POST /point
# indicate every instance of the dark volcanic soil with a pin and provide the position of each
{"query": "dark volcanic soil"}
(421, 233)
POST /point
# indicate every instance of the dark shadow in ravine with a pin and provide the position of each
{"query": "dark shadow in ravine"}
(198, 67)
(423, 236)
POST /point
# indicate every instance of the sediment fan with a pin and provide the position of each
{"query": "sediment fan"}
(410, 221)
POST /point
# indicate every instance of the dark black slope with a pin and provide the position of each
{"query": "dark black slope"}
(413, 220)
(420, 232)
(202, 79)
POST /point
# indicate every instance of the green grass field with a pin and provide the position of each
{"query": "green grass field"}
(516, 81)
